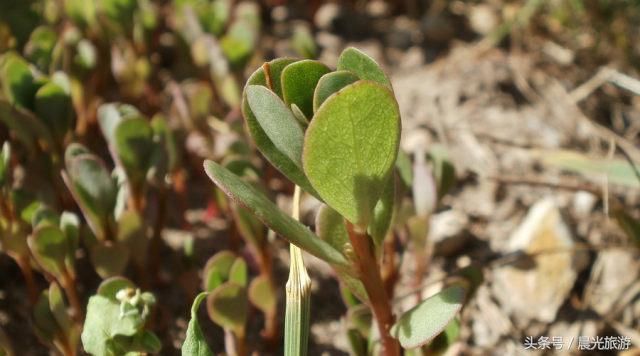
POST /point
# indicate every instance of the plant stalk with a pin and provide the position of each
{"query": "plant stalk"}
(298, 302)
(69, 286)
(369, 273)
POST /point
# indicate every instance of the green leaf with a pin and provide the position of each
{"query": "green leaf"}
(299, 81)
(251, 229)
(261, 294)
(330, 227)
(238, 43)
(40, 47)
(50, 248)
(446, 338)
(277, 121)
(443, 169)
(356, 61)
(59, 309)
(216, 270)
(329, 84)
(18, 83)
(277, 158)
(618, 171)
(5, 163)
(227, 306)
(54, 107)
(404, 168)
(134, 145)
(238, 272)
(299, 115)
(422, 323)
(44, 320)
(350, 148)
(131, 234)
(383, 212)
(93, 188)
(70, 226)
(271, 215)
(195, 344)
(109, 259)
(104, 322)
(303, 42)
(26, 127)
(111, 286)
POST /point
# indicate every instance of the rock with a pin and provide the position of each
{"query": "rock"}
(583, 203)
(536, 291)
(446, 231)
(377, 9)
(482, 19)
(614, 271)
(326, 15)
(489, 324)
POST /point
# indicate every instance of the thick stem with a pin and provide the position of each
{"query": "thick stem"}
(369, 273)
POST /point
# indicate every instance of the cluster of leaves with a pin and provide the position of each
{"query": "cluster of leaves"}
(336, 135)
(60, 195)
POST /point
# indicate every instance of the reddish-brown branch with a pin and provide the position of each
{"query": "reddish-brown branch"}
(69, 285)
(369, 273)
(27, 272)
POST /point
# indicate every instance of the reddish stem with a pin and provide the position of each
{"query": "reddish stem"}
(369, 273)
(69, 285)
(27, 272)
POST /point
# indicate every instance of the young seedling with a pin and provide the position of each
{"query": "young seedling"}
(116, 319)
(13, 227)
(52, 323)
(225, 278)
(203, 24)
(345, 157)
(114, 234)
(262, 290)
(38, 112)
(53, 244)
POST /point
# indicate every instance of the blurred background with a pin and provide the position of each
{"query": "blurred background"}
(521, 131)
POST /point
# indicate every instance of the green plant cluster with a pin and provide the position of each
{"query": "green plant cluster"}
(91, 155)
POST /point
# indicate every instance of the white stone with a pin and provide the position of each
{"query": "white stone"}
(537, 292)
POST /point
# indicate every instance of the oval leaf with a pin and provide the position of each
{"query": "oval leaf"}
(277, 158)
(261, 294)
(53, 106)
(299, 81)
(350, 148)
(228, 305)
(277, 121)
(426, 320)
(50, 248)
(271, 215)
(134, 145)
(356, 61)
(216, 270)
(331, 83)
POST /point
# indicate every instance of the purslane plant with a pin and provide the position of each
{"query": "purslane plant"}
(336, 135)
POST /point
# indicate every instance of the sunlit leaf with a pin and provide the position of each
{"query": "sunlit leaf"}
(350, 148)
